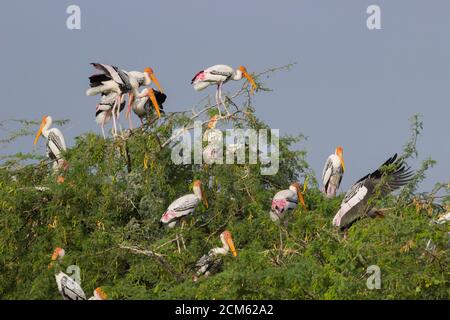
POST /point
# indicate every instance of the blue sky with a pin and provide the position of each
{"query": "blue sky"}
(351, 86)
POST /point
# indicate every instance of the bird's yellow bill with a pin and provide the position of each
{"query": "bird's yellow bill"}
(212, 122)
(101, 293)
(342, 162)
(301, 199)
(305, 184)
(205, 202)
(231, 245)
(250, 79)
(55, 255)
(155, 81)
(40, 130)
(151, 95)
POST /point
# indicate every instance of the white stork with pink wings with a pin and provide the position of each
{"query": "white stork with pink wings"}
(183, 207)
(218, 75)
(286, 201)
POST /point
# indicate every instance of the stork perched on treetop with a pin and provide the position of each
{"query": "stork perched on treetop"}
(147, 100)
(183, 207)
(332, 173)
(390, 176)
(55, 143)
(210, 263)
(287, 200)
(218, 75)
(69, 288)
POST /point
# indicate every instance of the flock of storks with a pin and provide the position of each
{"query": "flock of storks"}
(114, 85)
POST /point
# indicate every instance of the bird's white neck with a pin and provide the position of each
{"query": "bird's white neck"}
(221, 250)
(46, 128)
(198, 192)
(237, 75)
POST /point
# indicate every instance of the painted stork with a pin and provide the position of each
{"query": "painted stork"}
(332, 172)
(286, 201)
(211, 262)
(356, 201)
(214, 150)
(183, 207)
(104, 110)
(147, 100)
(69, 289)
(121, 82)
(55, 142)
(99, 294)
(218, 75)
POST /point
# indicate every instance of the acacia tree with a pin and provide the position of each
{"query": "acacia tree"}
(106, 216)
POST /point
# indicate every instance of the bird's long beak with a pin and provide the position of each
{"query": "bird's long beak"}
(54, 256)
(230, 244)
(305, 184)
(205, 202)
(40, 130)
(151, 95)
(342, 162)
(155, 80)
(250, 79)
(301, 199)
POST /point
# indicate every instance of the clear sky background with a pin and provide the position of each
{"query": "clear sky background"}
(351, 86)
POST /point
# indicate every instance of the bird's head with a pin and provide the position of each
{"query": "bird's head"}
(227, 240)
(152, 77)
(252, 82)
(45, 120)
(298, 189)
(213, 121)
(100, 294)
(198, 185)
(57, 255)
(340, 153)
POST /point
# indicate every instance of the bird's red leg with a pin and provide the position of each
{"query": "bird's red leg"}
(128, 114)
(114, 118)
(217, 100)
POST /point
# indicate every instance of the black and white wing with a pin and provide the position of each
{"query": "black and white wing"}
(69, 288)
(55, 144)
(390, 176)
(208, 264)
(111, 73)
(326, 172)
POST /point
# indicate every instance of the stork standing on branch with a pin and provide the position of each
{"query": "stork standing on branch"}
(55, 143)
(148, 100)
(332, 173)
(218, 75)
(183, 207)
(211, 262)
